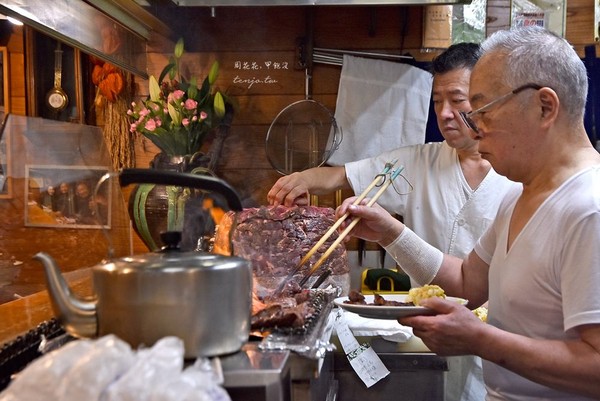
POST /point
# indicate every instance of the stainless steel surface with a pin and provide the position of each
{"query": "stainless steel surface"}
(255, 375)
(415, 372)
(413, 377)
(144, 298)
(202, 298)
(278, 375)
(70, 21)
(218, 3)
(336, 57)
(76, 315)
(206, 301)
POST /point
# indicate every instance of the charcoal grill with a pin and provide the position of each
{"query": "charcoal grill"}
(310, 340)
(301, 350)
(16, 354)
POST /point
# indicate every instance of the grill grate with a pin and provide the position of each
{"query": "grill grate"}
(317, 302)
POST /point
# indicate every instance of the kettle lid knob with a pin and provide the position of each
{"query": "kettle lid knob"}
(171, 239)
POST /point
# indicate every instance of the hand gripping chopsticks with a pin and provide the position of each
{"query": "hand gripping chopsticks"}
(350, 226)
(388, 166)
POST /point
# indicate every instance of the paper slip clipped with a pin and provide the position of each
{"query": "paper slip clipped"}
(365, 362)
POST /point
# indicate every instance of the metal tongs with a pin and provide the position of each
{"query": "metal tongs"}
(379, 180)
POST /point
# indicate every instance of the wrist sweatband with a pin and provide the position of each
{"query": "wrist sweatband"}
(416, 257)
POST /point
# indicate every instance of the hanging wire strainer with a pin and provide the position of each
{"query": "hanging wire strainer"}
(303, 135)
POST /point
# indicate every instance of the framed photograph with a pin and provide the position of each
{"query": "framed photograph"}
(5, 165)
(66, 197)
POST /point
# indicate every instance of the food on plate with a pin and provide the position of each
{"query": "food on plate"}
(481, 313)
(356, 298)
(414, 297)
(417, 294)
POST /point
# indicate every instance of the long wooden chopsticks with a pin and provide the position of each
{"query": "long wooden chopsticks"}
(387, 168)
(363, 195)
(349, 228)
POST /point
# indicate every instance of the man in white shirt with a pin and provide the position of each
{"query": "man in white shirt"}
(538, 263)
(456, 192)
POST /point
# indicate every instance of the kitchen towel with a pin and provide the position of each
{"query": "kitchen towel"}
(389, 330)
(381, 105)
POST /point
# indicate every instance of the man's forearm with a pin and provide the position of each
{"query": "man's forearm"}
(325, 180)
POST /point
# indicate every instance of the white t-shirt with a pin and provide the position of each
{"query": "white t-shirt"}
(444, 211)
(547, 283)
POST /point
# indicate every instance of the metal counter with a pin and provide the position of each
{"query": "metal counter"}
(257, 375)
(277, 375)
(415, 373)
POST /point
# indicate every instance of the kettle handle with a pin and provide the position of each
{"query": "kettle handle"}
(162, 177)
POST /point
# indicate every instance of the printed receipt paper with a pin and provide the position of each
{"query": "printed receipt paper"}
(363, 359)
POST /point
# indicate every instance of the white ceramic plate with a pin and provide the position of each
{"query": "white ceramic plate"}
(388, 312)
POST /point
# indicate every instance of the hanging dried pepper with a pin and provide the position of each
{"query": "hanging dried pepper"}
(108, 78)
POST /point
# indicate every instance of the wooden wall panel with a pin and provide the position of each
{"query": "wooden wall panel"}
(498, 16)
(580, 25)
(268, 35)
(16, 54)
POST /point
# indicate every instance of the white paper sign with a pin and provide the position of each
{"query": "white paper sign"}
(365, 362)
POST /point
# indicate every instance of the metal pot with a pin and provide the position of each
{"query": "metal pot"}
(204, 299)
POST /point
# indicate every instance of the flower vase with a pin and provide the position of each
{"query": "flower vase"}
(154, 209)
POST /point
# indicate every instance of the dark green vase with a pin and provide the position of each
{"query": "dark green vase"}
(157, 208)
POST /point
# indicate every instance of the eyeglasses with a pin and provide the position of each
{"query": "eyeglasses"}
(467, 117)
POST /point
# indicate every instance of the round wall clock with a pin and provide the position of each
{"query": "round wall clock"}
(56, 98)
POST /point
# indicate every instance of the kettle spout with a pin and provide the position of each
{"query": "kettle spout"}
(76, 315)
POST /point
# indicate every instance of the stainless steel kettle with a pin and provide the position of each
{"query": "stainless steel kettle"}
(204, 299)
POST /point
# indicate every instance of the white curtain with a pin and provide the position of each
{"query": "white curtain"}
(381, 105)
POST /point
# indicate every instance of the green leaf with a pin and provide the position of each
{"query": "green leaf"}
(167, 70)
(205, 90)
(192, 90)
(179, 48)
(214, 73)
(175, 69)
(219, 105)
(154, 89)
(175, 116)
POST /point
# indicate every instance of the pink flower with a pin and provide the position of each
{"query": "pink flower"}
(175, 96)
(203, 115)
(150, 125)
(190, 104)
(178, 94)
(185, 122)
(144, 112)
(133, 128)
